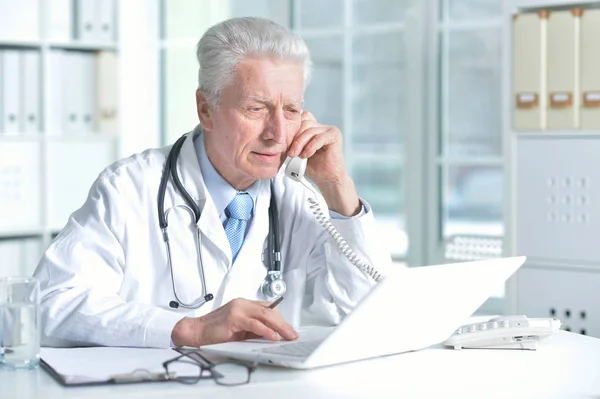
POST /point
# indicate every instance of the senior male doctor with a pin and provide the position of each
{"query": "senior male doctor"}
(106, 278)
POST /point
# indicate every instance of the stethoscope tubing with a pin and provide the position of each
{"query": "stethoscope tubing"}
(170, 171)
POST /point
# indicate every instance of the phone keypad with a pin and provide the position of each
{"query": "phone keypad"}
(490, 325)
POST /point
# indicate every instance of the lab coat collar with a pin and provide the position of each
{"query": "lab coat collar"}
(192, 180)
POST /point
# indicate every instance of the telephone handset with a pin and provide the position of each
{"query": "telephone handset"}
(504, 332)
(295, 170)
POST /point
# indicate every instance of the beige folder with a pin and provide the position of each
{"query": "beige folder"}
(563, 71)
(590, 69)
(529, 80)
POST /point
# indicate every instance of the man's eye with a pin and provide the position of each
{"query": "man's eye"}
(255, 109)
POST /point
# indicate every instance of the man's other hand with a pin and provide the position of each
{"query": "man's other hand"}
(238, 320)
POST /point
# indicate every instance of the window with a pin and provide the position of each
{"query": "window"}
(359, 80)
(470, 132)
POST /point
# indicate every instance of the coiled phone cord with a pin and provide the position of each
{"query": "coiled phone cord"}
(295, 169)
(341, 243)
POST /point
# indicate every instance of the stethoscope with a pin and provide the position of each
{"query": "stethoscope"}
(273, 285)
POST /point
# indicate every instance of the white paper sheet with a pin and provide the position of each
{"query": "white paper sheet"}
(100, 364)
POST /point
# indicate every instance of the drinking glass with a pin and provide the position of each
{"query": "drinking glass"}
(20, 332)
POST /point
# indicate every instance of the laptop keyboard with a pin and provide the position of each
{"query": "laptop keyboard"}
(296, 349)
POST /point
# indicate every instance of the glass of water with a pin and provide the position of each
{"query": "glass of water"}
(20, 332)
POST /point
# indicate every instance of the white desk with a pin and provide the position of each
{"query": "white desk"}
(567, 367)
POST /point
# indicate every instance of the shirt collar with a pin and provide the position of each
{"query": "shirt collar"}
(219, 190)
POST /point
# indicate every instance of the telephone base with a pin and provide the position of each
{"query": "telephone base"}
(505, 332)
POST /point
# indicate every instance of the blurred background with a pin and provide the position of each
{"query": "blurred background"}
(415, 87)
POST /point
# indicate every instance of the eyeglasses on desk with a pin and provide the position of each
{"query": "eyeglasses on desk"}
(228, 373)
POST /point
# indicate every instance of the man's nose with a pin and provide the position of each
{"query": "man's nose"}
(277, 127)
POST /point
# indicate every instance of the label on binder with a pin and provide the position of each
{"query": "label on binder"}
(560, 100)
(591, 99)
(527, 100)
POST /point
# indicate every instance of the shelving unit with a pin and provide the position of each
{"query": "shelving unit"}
(552, 192)
(45, 176)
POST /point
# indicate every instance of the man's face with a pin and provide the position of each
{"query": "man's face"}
(249, 133)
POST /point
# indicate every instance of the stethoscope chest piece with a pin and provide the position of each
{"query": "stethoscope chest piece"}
(273, 286)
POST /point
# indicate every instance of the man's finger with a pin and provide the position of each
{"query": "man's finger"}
(273, 319)
(286, 331)
(317, 142)
(255, 326)
(306, 123)
(308, 115)
(303, 138)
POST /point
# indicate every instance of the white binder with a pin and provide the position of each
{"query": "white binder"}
(71, 72)
(60, 20)
(529, 80)
(78, 78)
(590, 70)
(86, 26)
(563, 74)
(19, 20)
(106, 20)
(86, 62)
(56, 89)
(30, 91)
(11, 92)
(107, 86)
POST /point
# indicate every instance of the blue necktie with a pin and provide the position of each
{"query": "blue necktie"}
(238, 212)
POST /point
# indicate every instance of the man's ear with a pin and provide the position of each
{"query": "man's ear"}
(204, 109)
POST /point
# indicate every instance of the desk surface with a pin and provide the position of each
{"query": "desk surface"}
(566, 367)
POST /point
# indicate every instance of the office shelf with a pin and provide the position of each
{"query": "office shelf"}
(82, 137)
(21, 233)
(18, 44)
(46, 175)
(570, 134)
(20, 137)
(83, 46)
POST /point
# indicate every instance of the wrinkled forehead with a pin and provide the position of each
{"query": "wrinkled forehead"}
(269, 78)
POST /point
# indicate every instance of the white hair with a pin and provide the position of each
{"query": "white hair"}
(225, 44)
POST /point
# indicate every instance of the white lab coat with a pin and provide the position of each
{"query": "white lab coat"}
(105, 279)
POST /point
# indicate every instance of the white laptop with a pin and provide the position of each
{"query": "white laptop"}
(408, 310)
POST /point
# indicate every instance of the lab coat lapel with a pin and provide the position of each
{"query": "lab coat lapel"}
(191, 177)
